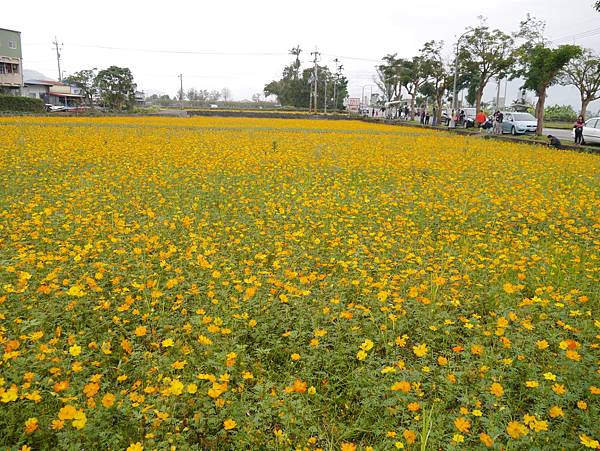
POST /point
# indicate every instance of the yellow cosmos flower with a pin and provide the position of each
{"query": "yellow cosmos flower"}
(229, 424)
(420, 350)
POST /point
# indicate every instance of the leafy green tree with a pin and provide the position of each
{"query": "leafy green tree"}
(116, 87)
(561, 113)
(440, 78)
(85, 81)
(213, 96)
(584, 73)
(539, 64)
(294, 87)
(388, 77)
(413, 74)
(485, 54)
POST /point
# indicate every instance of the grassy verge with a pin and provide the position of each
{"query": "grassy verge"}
(560, 125)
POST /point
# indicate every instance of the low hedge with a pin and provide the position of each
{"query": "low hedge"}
(21, 104)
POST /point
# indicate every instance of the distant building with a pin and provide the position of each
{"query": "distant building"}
(11, 62)
(52, 92)
(140, 98)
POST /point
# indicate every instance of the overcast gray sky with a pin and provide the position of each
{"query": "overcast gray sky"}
(250, 39)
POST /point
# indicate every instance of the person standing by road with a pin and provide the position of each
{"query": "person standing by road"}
(579, 130)
(499, 118)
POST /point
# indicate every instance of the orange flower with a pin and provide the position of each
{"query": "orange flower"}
(486, 440)
(516, 430)
(409, 436)
(402, 386)
(31, 425)
(496, 389)
(108, 400)
(414, 407)
(462, 424)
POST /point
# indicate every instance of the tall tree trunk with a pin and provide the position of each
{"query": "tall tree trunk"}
(584, 104)
(413, 98)
(438, 113)
(478, 97)
(539, 112)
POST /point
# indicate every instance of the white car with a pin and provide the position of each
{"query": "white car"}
(591, 131)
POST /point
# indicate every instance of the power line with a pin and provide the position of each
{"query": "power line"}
(179, 52)
(354, 58)
(208, 53)
(584, 34)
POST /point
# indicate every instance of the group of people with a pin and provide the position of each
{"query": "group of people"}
(427, 118)
(458, 117)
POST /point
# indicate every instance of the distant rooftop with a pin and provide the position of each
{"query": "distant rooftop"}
(6, 29)
(43, 82)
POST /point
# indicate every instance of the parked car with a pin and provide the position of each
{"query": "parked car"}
(591, 131)
(518, 123)
(470, 114)
(469, 117)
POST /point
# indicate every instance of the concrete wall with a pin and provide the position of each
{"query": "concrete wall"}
(35, 91)
(8, 54)
(7, 36)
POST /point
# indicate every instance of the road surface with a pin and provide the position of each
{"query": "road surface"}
(564, 135)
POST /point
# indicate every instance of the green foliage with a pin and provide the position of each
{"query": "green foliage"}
(21, 104)
(542, 65)
(583, 72)
(85, 80)
(484, 54)
(440, 78)
(293, 89)
(561, 113)
(116, 87)
(539, 64)
(388, 77)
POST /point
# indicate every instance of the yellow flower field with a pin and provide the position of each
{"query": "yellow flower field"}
(214, 283)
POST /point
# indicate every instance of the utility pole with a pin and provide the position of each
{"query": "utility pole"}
(181, 90)
(325, 97)
(454, 99)
(58, 57)
(317, 56)
(336, 78)
(498, 94)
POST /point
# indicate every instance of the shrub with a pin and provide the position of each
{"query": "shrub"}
(562, 113)
(23, 104)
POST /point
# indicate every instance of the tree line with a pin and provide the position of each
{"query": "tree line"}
(482, 54)
(113, 87)
(296, 85)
